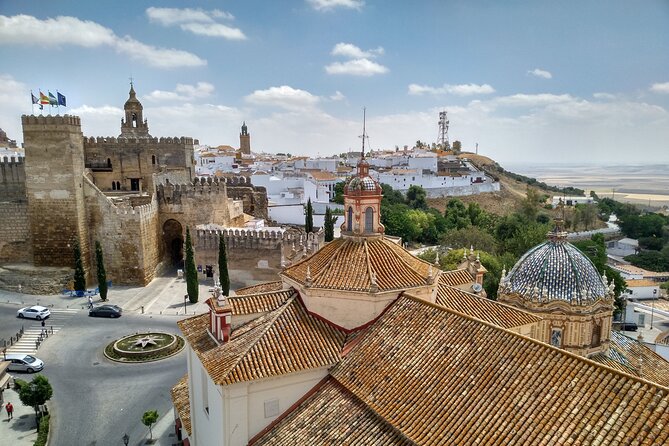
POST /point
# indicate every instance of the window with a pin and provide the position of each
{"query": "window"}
(556, 337)
(113, 185)
(369, 220)
(349, 220)
(596, 334)
(153, 159)
(205, 390)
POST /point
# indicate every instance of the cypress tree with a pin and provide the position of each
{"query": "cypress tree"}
(309, 218)
(102, 274)
(224, 276)
(329, 225)
(191, 273)
(79, 273)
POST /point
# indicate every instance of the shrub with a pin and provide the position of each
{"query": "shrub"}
(43, 432)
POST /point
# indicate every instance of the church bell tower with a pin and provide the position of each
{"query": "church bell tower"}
(245, 140)
(134, 124)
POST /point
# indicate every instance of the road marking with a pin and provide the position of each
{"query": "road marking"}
(32, 329)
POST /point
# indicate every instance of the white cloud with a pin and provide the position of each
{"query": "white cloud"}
(328, 5)
(531, 100)
(284, 96)
(214, 30)
(196, 21)
(660, 87)
(537, 72)
(356, 67)
(338, 96)
(174, 16)
(602, 95)
(157, 57)
(182, 92)
(458, 90)
(351, 51)
(24, 29)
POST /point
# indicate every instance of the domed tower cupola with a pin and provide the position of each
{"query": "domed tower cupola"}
(134, 124)
(362, 201)
(556, 281)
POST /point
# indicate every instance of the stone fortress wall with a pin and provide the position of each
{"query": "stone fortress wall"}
(15, 239)
(255, 255)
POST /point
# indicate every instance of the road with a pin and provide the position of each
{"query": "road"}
(96, 400)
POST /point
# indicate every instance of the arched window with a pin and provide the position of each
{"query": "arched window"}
(113, 185)
(349, 219)
(153, 159)
(369, 220)
(596, 334)
(118, 185)
(109, 162)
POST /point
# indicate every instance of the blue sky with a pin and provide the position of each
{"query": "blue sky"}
(529, 81)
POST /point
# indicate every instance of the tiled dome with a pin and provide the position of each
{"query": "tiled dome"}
(362, 183)
(555, 270)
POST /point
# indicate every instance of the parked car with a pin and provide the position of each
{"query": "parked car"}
(35, 312)
(106, 311)
(20, 362)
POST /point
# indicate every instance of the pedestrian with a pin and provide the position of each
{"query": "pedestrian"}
(90, 302)
(10, 410)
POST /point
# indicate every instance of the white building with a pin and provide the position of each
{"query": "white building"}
(623, 247)
(572, 201)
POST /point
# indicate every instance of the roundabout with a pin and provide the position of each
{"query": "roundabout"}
(144, 347)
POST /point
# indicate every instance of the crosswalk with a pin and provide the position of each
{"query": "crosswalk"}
(33, 329)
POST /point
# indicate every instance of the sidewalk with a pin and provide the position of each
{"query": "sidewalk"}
(20, 431)
(164, 295)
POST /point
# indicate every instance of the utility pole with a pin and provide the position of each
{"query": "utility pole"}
(442, 137)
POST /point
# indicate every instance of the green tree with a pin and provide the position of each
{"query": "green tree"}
(223, 275)
(456, 215)
(148, 419)
(339, 193)
(35, 394)
(651, 260)
(79, 273)
(391, 196)
(101, 273)
(417, 197)
(529, 207)
(192, 286)
(471, 236)
(329, 224)
(309, 218)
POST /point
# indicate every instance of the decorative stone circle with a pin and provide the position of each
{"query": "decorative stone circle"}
(144, 347)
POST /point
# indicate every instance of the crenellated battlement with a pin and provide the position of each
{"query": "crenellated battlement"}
(12, 179)
(41, 120)
(106, 141)
(11, 159)
(169, 193)
(121, 207)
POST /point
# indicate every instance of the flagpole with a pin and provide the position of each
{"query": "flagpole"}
(32, 104)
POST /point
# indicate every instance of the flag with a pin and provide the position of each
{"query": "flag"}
(52, 99)
(61, 100)
(43, 99)
(34, 98)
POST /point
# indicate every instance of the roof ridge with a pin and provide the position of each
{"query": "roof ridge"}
(400, 249)
(327, 264)
(527, 338)
(368, 260)
(268, 324)
(491, 301)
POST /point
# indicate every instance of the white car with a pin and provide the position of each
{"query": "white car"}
(34, 312)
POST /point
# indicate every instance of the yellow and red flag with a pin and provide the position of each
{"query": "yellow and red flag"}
(43, 99)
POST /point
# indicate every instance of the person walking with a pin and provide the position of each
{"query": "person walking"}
(90, 302)
(10, 410)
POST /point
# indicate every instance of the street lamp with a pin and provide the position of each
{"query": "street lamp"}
(125, 439)
(652, 308)
(185, 300)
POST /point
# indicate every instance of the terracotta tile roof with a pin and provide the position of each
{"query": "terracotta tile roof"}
(347, 264)
(181, 403)
(332, 416)
(444, 378)
(259, 303)
(260, 288)
(323, 176)
(632, 356)
(456, 277)
(631, 283)
(482, 308)
(283, 341)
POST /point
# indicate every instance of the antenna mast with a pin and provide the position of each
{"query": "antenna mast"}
(442, 138)
(364, 115)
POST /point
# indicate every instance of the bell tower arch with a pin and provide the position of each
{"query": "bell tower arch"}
(134, 124)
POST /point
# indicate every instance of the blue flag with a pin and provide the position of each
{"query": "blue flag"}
(52, 99)
(61, 100)
(34, 98)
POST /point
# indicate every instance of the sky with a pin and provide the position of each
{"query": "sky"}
(575, 81)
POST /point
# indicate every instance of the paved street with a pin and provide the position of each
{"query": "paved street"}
(96, 400)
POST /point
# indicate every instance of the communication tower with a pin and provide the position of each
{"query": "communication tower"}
(442, 138)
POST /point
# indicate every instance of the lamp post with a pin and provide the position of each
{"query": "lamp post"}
(652, 308)
(125, 439)
(185, 300)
